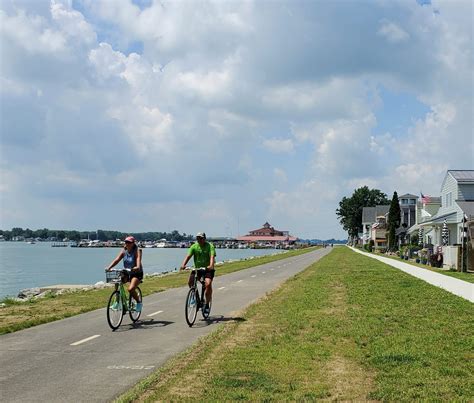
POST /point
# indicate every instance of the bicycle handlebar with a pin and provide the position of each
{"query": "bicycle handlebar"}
(119, 270)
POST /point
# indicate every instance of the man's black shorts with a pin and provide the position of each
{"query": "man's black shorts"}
(207, 274)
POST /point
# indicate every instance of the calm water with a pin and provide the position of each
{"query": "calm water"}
(25, 265)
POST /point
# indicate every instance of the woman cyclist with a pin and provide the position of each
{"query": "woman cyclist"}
(132, 259)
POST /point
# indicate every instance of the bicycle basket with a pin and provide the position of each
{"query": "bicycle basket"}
(112, 276)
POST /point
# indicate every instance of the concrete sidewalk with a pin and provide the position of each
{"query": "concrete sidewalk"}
(453, 285)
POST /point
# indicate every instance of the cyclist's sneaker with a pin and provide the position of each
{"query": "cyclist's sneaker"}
(115, 306)
(207, 309)
(138, 307)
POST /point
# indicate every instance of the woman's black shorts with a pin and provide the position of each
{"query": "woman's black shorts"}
(128, 275)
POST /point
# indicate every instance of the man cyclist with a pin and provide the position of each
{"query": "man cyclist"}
(204, 257)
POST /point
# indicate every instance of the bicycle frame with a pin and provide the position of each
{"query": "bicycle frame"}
(123, 294)
(200, 279)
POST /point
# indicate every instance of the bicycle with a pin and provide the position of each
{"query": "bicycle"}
(119, 304)
(194, 301)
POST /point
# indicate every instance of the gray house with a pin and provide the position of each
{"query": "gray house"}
(407, 216)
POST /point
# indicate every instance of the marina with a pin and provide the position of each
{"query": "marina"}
(27, 265)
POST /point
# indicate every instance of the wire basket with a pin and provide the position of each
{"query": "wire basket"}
(112, 276)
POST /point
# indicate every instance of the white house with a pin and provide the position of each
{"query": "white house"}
(457, 201)
(373, 217)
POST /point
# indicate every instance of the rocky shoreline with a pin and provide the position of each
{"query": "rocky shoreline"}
(34, 293)
(27, 294)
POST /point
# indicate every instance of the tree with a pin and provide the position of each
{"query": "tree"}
(394, 218)
(350, 208)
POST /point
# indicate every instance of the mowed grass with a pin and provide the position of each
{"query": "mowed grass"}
(21, 315)
(347, 328)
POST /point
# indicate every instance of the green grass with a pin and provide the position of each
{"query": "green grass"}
(21, 315)
(347, 328)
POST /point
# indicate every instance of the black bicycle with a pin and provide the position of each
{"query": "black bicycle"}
(194, 299)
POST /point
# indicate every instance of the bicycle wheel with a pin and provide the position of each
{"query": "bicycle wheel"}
(191, 307)
(132, 305)
(115, 310)
(204, 314)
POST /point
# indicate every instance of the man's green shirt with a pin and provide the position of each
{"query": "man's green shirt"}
(202, 255)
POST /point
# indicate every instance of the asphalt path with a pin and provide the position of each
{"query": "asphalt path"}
(80, 359)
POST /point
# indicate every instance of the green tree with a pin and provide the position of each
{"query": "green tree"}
(394, 218)
(17, 231)
(350, 208)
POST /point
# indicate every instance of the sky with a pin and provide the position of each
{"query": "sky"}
(219, 116)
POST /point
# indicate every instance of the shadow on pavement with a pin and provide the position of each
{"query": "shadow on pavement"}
(217, 319)
(144, 324)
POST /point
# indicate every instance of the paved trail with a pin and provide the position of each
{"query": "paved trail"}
(455, 286)
(80, 359)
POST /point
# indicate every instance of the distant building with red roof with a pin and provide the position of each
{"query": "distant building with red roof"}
(267, 234)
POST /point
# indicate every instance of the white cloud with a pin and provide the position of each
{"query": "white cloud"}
(392, 32)
(206, 85)
(32, 33)
(278, 145)
(224, 99)
(72, 22)
(280, 174)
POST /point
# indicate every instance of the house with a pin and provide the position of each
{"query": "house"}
(426, 208)
(267, 235)
(370, 217)
(446, 228)
(407, 217)
(457, 200)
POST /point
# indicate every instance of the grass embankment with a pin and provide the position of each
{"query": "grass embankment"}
(21, 315)
(347, 328)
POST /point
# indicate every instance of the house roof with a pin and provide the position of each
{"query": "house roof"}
(467, 208)
(370, 214)
(264, 238)
(381, 210)
(466, 175)
(408, 196)
(449, 217)
(460, 175)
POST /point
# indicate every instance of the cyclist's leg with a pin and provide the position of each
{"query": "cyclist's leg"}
(134, 282)
(208, 291)
(208, 282)
(191, 279)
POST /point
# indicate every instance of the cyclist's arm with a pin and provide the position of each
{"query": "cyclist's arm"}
(139, 261)
(185, 261)
(211, 262)
(116, 260)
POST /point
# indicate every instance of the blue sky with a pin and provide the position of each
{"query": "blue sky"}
(156, 115)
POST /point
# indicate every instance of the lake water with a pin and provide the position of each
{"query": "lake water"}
(24, 265)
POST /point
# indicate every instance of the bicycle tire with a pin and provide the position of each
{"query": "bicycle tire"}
(191, 307)
(206, 315)
(134, 315)
(115, 312)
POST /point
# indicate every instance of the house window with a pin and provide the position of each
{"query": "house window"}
(412, 201)
(404, 201)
